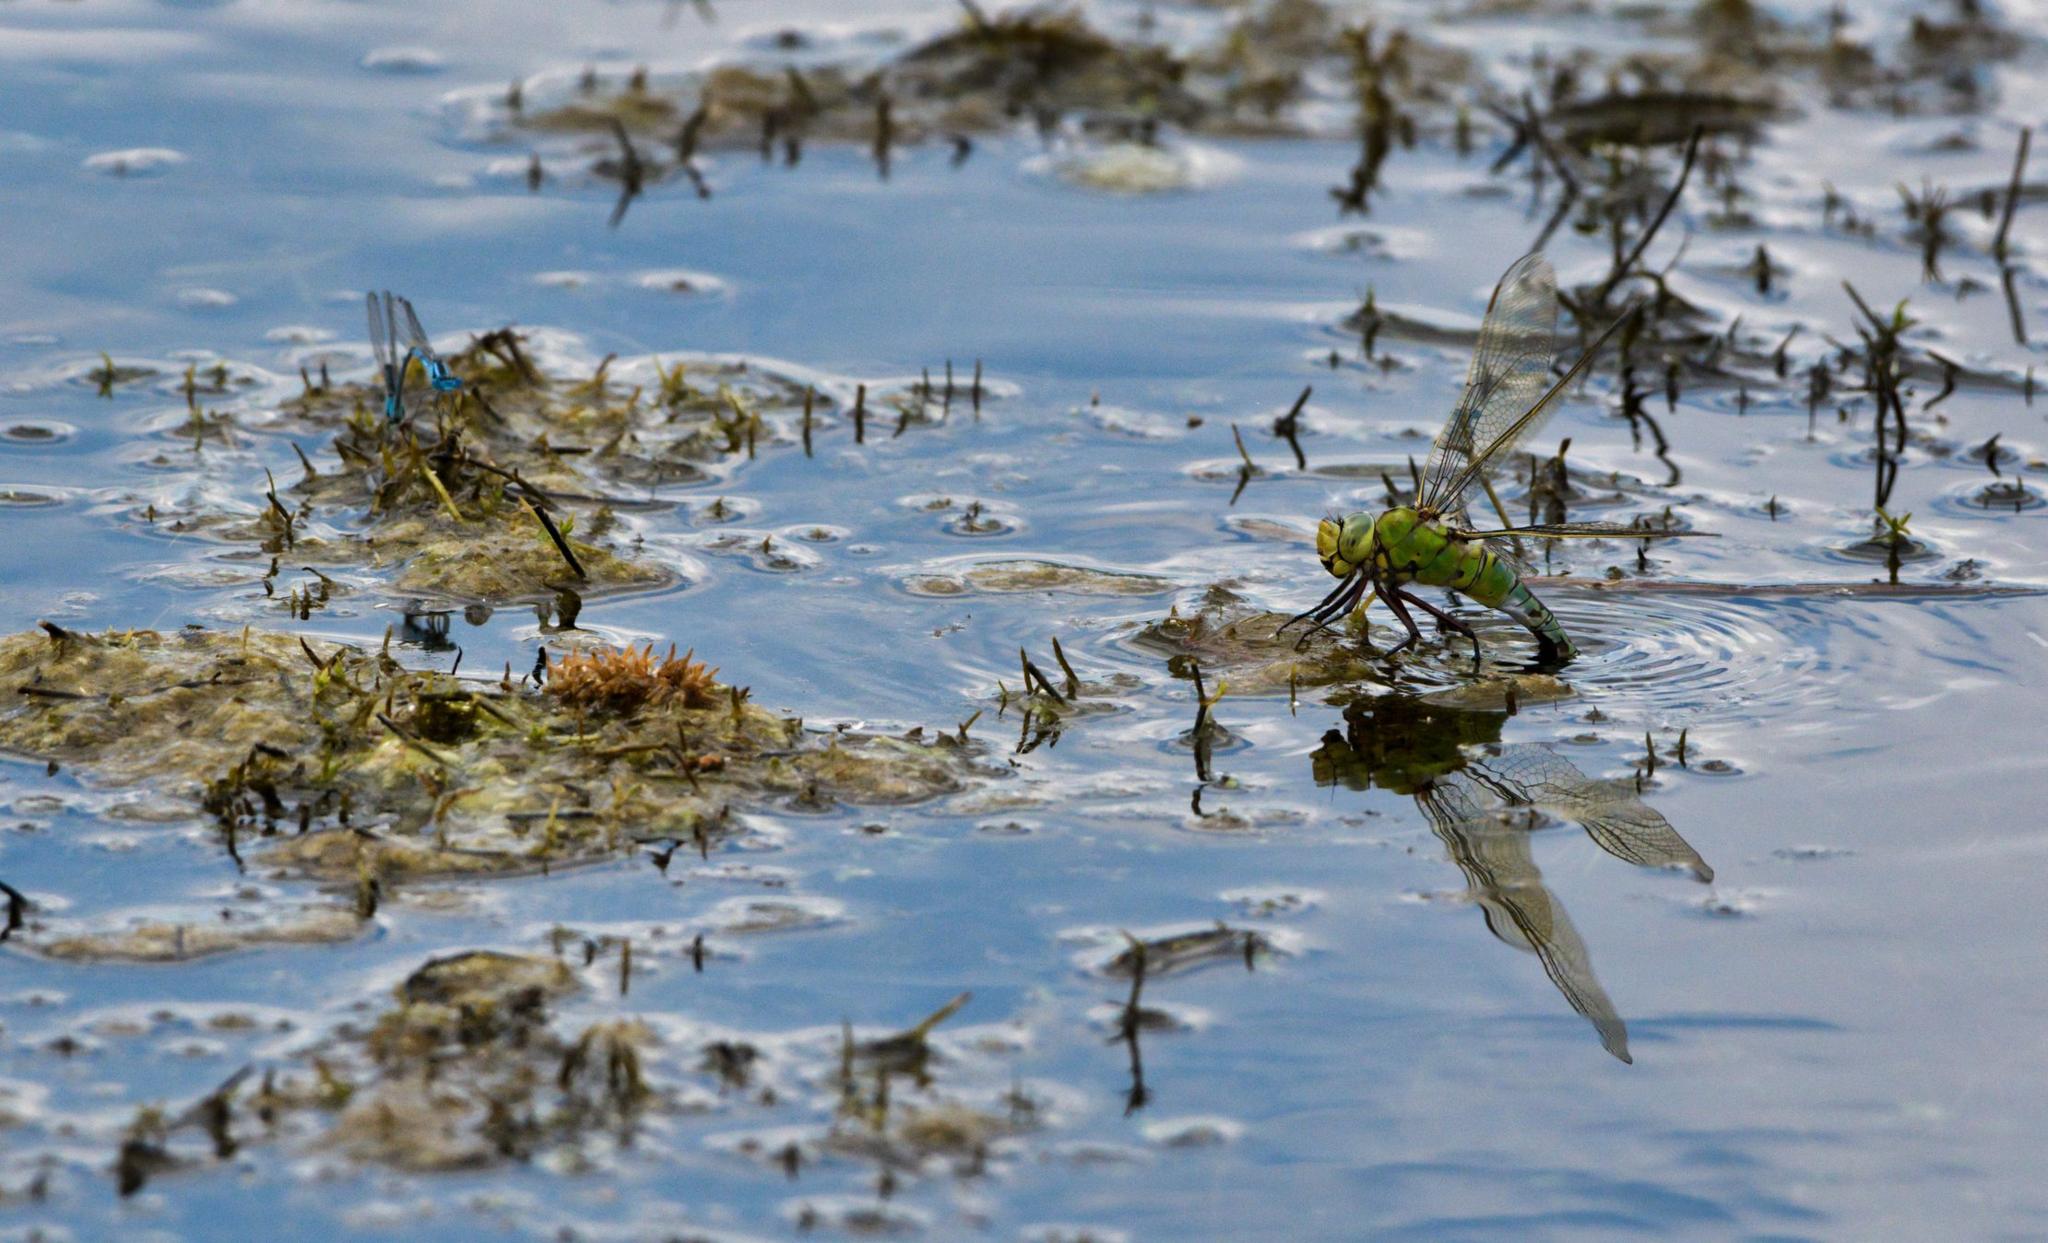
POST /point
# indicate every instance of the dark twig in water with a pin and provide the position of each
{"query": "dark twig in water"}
(2012, 194)
(1949, 371)
(2012, 305)
(1073, 679)
(1245, 472)
(1532, 128)
(17, 910)
(1205, 728)
(1288, 427)
(1129, 1023)
(632, 173)
(1882, 363)
(555, 534)
(1032, 673)
(1621, 270)
(1990, 452)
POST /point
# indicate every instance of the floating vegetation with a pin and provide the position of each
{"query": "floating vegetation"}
(1186, 951)
(205, 932)
(510, 488)
(1229, 637)
(1006, 577)
(339, 764)
(1044, 705)
(1275, 71)
(1141, 168)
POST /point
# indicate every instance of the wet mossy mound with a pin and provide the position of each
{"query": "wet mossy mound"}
(339, 764)
(464, 1069)
(1242, 649)
(509, 490)
(483, 1058)
(1045, 65)
(598, 434)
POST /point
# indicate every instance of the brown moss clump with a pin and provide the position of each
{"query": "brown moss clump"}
(509, 490)
(1045, 64)
(1233, 642)
(341, 765)
(628, 679)
(467, 1070)
(203, 935)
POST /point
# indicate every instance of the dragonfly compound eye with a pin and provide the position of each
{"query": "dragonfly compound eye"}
(1355, 541)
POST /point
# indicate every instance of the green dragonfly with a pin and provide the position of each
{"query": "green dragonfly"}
(1508, 395)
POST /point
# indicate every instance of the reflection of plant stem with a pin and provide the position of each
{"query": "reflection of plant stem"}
(1894, 537)
(1127, 1029)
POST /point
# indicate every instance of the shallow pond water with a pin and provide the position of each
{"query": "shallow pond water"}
(1833, 1037)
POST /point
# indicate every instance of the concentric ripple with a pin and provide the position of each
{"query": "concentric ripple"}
(1694, 654)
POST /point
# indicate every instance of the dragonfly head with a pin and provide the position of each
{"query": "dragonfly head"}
(1344, 544)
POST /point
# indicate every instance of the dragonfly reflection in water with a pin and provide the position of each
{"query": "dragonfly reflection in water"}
(1481, 798)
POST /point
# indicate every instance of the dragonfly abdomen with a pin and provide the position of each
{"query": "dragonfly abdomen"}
(1520, 603)
(1471, 568)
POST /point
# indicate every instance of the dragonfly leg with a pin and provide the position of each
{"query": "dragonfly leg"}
(1336, 611)
(1322, 609)
(1449, 621)
(1394, 597)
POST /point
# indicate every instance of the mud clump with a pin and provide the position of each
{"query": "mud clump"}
(1010, 577)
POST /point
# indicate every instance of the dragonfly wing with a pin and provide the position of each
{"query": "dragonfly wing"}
(1635, 832)
(1510, 370)
(1501, 875)
(415, 336)
(380, 334)
(1617, 820)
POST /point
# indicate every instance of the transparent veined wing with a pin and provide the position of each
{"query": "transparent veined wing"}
(1502, 878)
(1634, 832)
(382, 338)
(415, 336)
(1491, 454)
(1509, 373)
(1618, 821)
(1584, 530)
(416, 339)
